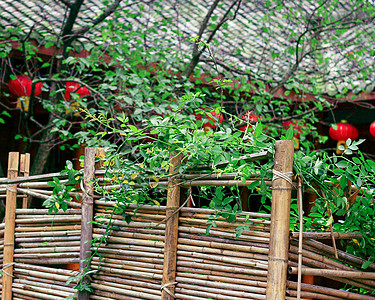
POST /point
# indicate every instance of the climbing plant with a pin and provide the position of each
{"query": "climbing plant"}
(139, 169)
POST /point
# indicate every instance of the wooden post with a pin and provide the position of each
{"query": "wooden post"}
(25, 171)
(87, 215)
(171, 233)
(10, 216)
(280, 218)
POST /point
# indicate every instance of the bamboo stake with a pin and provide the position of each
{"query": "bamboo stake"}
(171, 232)
(300, 216)
(10, 214)
(25, 169)
(280, 212)
(87, 216)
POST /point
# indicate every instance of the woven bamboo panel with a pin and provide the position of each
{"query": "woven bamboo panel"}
(37, 282)
(130, 260)
(47, 239)
(219, 265)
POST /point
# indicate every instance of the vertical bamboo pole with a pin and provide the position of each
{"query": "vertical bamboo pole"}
(10, 216)
(25, 170)
(300, 236)
(171, 233)
(87, 215)
(280, 218)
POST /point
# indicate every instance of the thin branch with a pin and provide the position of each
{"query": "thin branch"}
(99, 19)
(195, 59)
(204, 25)
(73, 80)
(223, 20)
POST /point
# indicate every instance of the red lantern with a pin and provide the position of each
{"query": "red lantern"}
(215, 117)
(22, 87)
(372, 128)
(343, 132)
(296, 128)
(296, 131)
(74, 87)
(250, 118)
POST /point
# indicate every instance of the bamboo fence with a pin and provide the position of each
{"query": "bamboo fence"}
(164, 252)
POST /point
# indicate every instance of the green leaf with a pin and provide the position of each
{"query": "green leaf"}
(366, 264)
(49, 44)
(289, 133)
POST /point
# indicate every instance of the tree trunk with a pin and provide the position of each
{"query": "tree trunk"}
(44, 149)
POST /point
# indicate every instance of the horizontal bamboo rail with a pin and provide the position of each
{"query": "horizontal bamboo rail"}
(327, 235)
(334, 273)
(328, 291)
